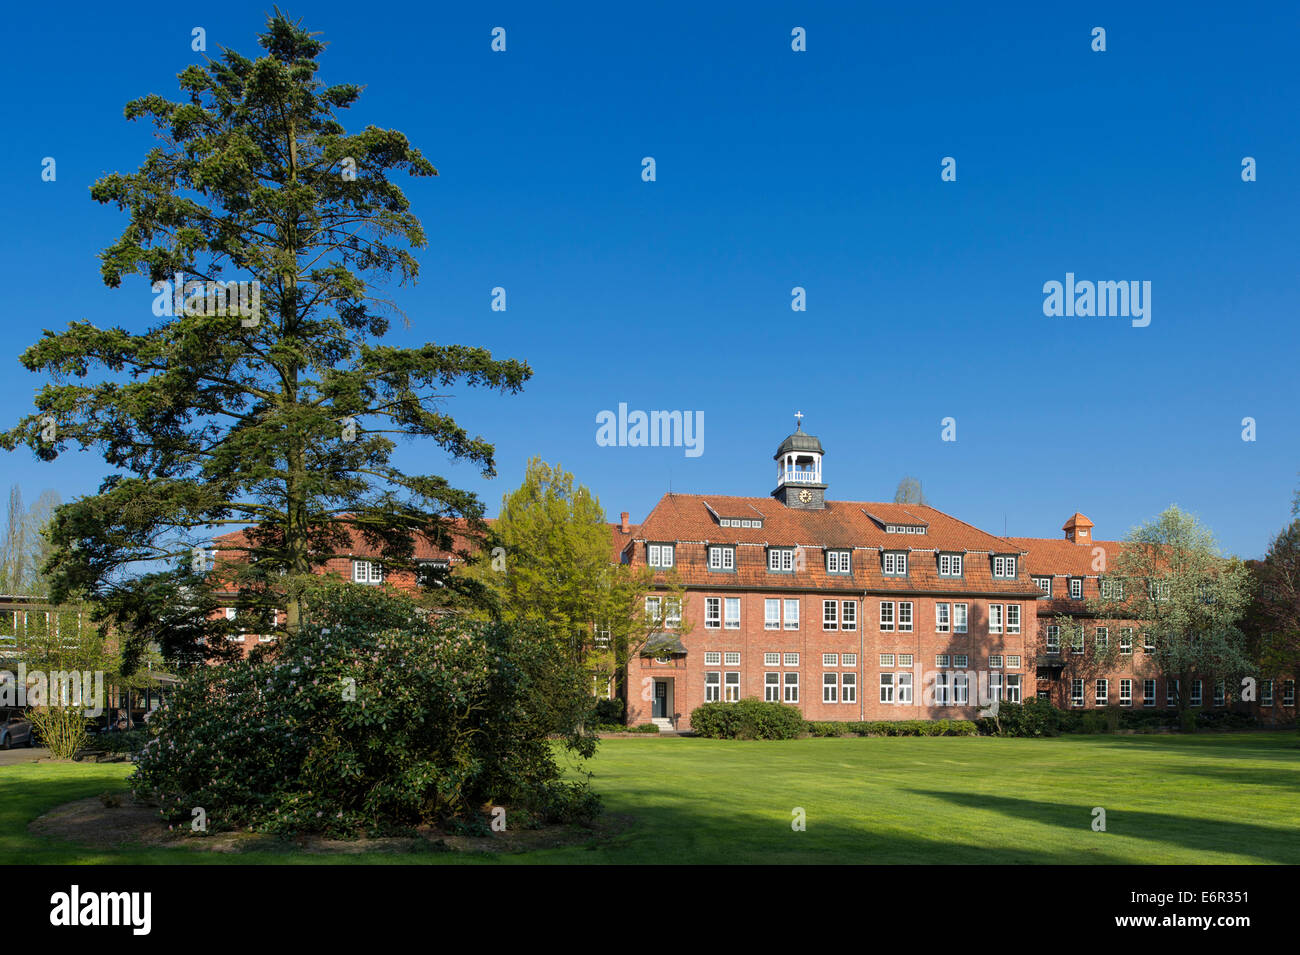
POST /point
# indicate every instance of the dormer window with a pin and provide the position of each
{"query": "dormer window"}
(722, 558)
(781, 560)
(1044, 584)
(950, 565)
(1076, 588)
(367, 572)
(838, 562)
(895, 563)
(1004, 567)
(430, 572)
(659, 555)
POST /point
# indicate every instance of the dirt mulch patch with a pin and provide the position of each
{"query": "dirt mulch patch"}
(121, 822)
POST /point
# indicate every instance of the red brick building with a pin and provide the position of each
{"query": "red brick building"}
(876, 611)
(851, 610)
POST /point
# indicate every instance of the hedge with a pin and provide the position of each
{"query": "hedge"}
(750, 718)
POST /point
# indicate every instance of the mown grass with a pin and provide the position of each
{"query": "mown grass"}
(1207, 798)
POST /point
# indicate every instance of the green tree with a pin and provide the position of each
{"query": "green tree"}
(1273, 621)
(25, 546)
(551, 565)
(273, 403)
(1170, 575)
(909, 492)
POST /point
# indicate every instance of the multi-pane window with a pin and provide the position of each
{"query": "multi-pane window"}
(830, 659)
(1148, 692)
(1004, 566)
(904, 659)
(1112, 590)
(960, 689)
(791, 687)
(1102, 692)
(781, 559)
(771, 614)
(848, 688)
(1148, 643)
(830, 687)
(1053, 638)
(904, 685)
(1076, 588)
(722, 558)
(712, 658)
(895, 563)
(732, 658)
(771, 659)
(830, 615)
(712, 687)
(672, 612)
(849, 659)
(942, 617)
(905, 616)
(958, 618)
(960, 660)
(941, 697)
(837, 562)
(1220, 694)
(995, 661)
(848, 615)
(1126, 641)
(772, 687)
(659, 555)
(1103, 638)
(712, 613)
(886, 659)
(942, 660)
(950, 565)
(367, 572)
(886, 688)
(1013, 661)
(792, 614)
(995, 684)
(731, 689)
(732, 619)
(886, 615)
(1196, 693)
(654, 609)
(1044, 584)
(1171, 693)
(1076, 640)
(1266, 693)
(1013, 618)
(1288, 693)
(792, 659)
(1076, 692)
(995, 618)
(1013, 687)
(1125, 692)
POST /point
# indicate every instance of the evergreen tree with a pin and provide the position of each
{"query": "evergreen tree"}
(263, 395)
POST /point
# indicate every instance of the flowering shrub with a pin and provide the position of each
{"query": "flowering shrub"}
(372, 717)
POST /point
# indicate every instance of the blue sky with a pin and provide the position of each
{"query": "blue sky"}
(777, 169)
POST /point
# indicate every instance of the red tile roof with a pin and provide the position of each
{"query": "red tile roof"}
(860, 526)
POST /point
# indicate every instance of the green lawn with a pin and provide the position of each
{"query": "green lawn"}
(1207, 798)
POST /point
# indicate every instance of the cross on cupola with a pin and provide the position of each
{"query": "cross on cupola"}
(799, 469)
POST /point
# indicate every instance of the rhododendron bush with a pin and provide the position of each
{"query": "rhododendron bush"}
(373, 717)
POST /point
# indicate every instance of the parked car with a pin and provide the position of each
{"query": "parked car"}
(15, 729)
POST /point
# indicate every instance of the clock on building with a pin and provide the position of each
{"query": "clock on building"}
(805, 496)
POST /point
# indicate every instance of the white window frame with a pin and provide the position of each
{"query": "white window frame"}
(660, 555)
(722, 558)
(731, 621)
(887, 687)
(960, 617)
(712, 614)
(903, 688)
(791, 620)
(772, 687)
(830, 615)
(712, 687)
(790, 686)
(839, 562)
(848, 615)
(950, 565)
(848, 688)
(886, 616)
(771, 613)
(942, 617)
(905, 616)
(894, 563)
(731, 686)
(1013, 618)
(830, 688)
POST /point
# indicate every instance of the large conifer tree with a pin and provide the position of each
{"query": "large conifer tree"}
(280, 413)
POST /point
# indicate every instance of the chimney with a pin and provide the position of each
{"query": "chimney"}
(1078, 529)
(623, 523)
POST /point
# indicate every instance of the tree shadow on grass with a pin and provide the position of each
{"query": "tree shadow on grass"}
(1266, 843)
